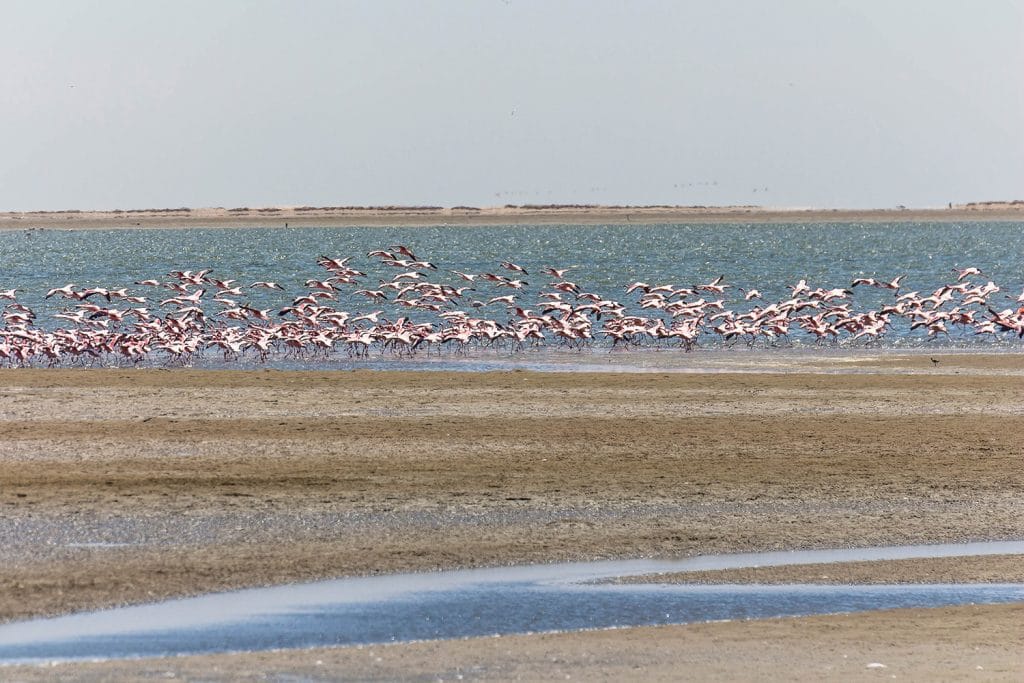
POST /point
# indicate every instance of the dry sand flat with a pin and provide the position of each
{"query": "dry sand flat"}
(339, 216)
(128, 485)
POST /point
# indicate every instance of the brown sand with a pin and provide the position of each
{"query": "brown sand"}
(507, 215)
(216, 480)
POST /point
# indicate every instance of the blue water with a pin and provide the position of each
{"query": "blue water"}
(605, 259)
(510, 609)
(479, 602)
(766, 256)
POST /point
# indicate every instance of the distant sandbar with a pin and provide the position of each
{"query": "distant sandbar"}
(525, 214)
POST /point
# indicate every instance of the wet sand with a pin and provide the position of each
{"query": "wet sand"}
(979, 569)
(122, 486)
(339, 216)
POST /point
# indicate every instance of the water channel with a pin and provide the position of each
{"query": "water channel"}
(478, 602)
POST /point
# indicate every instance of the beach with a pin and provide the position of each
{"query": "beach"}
(125, 486)
(528, 214)
(497, 355)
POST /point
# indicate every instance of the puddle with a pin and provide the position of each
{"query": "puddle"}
(479, 602)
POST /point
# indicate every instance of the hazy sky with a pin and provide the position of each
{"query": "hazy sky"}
(139, 103)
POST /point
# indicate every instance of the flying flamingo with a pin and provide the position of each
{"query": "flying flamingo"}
(508, 265)
(67, 291)
(962, 273)
(556, 272)
(404, 251)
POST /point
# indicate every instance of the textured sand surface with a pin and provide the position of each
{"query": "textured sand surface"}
(123, 486)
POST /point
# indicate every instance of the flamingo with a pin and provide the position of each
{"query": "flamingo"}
(751, 294)
(556, 272)
(375, 294)
(465, 276)
(371, 317)
(962, 273)
(715, 286)
(320, 284)
(404, 251)
(312, 325)
(67, 291)
(333, 263)
(508, 265)
(894, 284)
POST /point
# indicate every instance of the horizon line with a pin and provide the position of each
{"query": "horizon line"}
(398, 208)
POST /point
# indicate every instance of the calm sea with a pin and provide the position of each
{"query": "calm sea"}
(604, 260)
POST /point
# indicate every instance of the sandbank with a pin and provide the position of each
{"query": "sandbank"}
(412, 216)
(124, 486)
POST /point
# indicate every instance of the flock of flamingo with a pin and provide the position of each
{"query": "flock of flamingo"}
(176, 319)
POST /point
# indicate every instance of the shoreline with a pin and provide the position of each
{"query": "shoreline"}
(488, 216)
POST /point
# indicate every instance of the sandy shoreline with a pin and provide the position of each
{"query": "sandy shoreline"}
(131, 485)
(473, 216)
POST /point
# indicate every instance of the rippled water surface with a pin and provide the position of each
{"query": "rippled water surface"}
(480, 602)
(605, 259)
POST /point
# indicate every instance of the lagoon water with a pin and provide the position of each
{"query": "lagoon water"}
(605, 259)
(480, 602)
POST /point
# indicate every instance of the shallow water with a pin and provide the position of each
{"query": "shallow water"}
(479, 602)
(605, 260)
(824, 360)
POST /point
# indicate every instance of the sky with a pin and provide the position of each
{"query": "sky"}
(112, 104)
